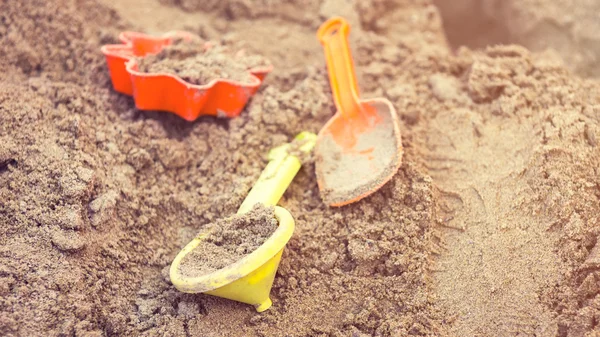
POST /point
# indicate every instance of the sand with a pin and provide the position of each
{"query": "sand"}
(195, 63)
(489, 227)
(567, 29)
(229, 240)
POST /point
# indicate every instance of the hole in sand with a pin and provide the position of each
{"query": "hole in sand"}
(469, 23)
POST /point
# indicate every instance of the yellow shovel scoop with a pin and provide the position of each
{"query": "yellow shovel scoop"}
(250, 279)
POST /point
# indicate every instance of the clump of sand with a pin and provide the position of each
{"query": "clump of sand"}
(229, 240)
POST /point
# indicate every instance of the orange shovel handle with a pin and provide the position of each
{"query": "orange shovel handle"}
(333, 35)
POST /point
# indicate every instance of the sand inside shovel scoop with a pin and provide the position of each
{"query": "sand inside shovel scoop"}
(230, 240)
(347, 174)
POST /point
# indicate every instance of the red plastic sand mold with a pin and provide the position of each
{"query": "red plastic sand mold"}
(165, 92)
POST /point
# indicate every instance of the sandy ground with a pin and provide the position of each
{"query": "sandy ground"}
(489, 228)
(569, 29)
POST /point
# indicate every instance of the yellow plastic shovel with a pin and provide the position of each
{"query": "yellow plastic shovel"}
(250, 279)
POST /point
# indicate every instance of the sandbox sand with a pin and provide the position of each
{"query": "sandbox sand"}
(228, 240)
(489, 228)
(196, 64)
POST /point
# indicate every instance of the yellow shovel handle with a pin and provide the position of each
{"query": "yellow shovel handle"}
(278, 174)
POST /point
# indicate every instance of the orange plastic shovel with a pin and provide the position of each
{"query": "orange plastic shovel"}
(360, 148)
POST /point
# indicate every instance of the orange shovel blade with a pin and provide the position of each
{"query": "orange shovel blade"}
(360, 148)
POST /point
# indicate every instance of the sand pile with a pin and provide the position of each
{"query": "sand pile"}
(230, 240)
(490, 226)
(195, 63)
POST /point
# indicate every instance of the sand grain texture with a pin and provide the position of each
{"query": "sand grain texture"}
(229, 240)
(195, 63)
(489, 227)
